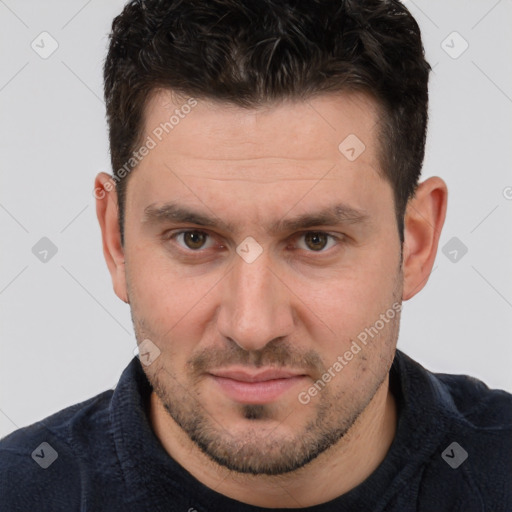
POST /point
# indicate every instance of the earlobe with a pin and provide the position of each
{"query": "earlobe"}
(107, 212)
(424, 219)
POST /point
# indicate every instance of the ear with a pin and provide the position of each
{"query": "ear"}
(424, 219)
(107, 212)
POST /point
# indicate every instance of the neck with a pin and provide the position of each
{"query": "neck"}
(335, 472)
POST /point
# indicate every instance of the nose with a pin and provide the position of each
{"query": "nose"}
(256, 305)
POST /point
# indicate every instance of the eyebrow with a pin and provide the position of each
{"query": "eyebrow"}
(338, 214)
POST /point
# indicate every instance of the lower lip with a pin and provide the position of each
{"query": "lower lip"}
(257, 392)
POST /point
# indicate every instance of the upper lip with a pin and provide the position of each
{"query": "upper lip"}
(261, 376)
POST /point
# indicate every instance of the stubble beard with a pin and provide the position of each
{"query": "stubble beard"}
(264, 447)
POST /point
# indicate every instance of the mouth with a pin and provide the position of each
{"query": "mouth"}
(260, 387)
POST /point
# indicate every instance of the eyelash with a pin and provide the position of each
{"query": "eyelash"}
(190, 252)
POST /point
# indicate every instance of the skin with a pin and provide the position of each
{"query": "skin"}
(299, 305)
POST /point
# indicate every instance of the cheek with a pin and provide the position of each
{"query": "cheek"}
(352, 298)
(339, 310)
(170, 304)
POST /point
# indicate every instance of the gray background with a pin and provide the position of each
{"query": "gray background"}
(65, 335)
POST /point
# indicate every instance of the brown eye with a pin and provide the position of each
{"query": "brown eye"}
(194, 239)
(316, 240)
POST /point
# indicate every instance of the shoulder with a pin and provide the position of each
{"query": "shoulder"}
(479, 429)
(472, 456)
(462, 399)
(470, 401)
(45, 462)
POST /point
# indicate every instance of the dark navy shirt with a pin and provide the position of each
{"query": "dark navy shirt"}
(452, 452)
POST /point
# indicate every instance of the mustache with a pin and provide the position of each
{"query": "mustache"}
(276, 354)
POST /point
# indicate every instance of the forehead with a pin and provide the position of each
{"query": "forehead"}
(256, 164)
(305, 131)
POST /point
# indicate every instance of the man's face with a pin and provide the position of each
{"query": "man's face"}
(249, 312)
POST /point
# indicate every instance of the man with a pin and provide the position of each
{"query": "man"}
(264, 222)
